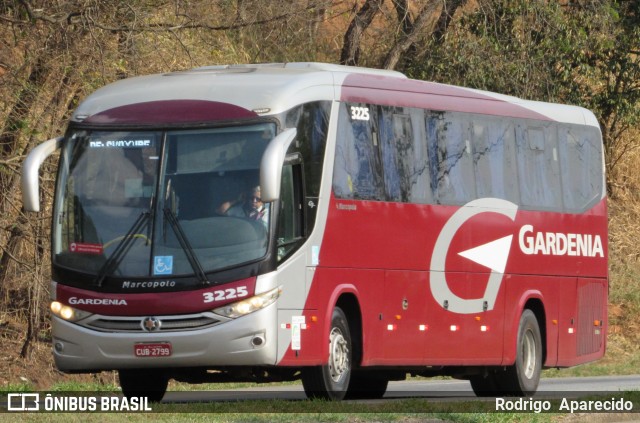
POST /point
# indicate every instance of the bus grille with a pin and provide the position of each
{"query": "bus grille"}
(135, 324)
(591, 308)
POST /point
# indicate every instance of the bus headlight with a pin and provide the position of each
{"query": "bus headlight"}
(67, 313)
(249, 305)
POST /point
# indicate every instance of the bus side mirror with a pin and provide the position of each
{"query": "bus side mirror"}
(271, 165)
(30, 168)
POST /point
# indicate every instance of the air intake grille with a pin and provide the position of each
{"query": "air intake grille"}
(591, 300)
(135, 324)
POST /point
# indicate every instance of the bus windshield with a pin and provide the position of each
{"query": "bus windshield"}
(161, 203)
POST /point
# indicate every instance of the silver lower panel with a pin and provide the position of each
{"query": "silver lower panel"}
(77, 348)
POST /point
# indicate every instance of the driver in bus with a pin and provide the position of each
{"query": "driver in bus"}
(251, 207)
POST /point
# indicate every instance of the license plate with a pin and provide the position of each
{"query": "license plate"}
(160, 349)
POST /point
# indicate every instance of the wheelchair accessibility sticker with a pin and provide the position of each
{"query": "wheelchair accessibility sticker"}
(163, 265)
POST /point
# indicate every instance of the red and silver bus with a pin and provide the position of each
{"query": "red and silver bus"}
(406, 228)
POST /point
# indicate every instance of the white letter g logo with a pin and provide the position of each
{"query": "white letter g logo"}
(493, 255)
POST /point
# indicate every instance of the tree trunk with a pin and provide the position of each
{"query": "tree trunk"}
(412, 30)
(407, 39)
(9, 252)
(446, 15)
(350, 54)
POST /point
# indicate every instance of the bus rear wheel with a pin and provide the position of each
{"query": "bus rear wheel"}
(364, 385)
(485, 385)
(522, 378)
(151, 384)
(331, 380)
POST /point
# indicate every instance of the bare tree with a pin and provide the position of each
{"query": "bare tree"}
(412, 30)
(350, 54)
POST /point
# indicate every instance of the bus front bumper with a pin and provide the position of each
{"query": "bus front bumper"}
(248, 340)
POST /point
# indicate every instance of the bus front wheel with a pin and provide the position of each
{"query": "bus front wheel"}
(522, 378)
(151, 384)
(330, 381)
(366, 386)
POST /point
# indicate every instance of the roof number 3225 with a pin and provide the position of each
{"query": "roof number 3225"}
(225, 294)
(359, 113)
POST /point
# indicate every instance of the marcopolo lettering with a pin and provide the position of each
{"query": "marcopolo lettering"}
(148, 284)
(97, 301)
(559, 244)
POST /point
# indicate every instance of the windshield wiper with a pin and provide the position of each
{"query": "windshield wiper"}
(116, 257)
(186, 246)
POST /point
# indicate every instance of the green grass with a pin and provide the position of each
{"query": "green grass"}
(602, 367)
(405, 411)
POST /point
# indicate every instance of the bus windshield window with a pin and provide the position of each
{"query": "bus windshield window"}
(108, 180)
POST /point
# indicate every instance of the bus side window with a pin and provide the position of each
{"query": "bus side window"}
(454, 179)
(357, 170)
(580, 164)
(493, 159)
(538, 170)
(392, 139)
(416, 160)
(291, 228)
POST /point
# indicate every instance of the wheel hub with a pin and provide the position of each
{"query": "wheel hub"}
(338, 355)
(529, 354)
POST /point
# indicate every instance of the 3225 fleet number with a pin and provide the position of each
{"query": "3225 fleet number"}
(225, 294)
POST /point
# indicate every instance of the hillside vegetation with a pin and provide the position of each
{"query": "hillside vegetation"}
(54, 52)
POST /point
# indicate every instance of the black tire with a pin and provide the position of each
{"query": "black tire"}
(485, 385)
(151, 384)
(522, 378)
(331, 380)
(366, 386)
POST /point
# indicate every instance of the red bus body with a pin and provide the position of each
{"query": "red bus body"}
(431, 275)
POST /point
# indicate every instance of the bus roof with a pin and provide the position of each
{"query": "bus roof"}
(265, 89)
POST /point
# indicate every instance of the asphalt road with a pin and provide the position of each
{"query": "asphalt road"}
(435, 389)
